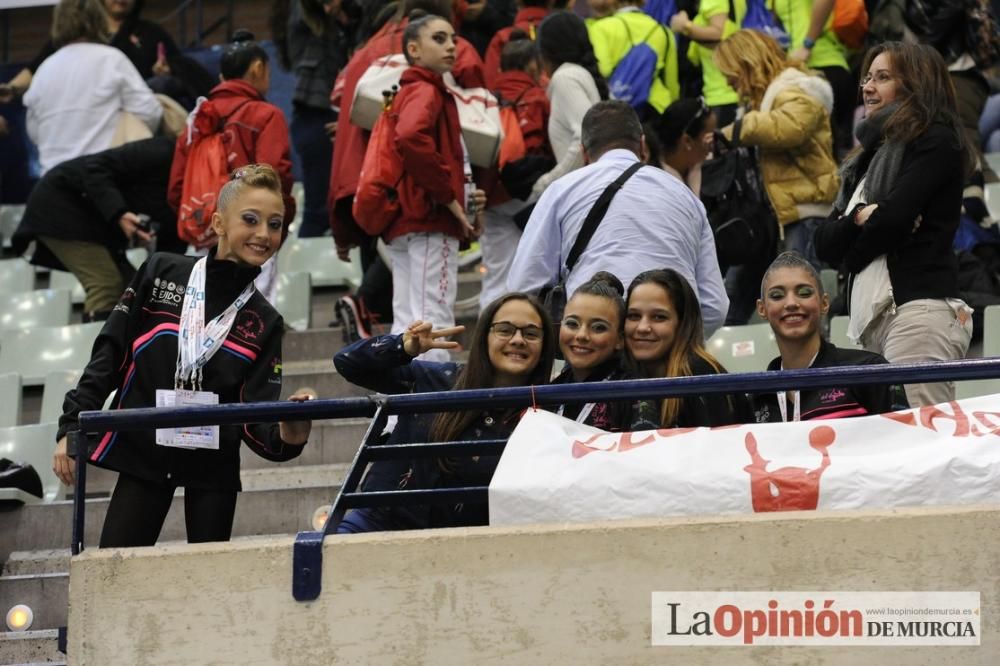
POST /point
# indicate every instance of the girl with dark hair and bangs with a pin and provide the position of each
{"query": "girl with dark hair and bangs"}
(680, 140)
(664, 338)
(897, 211)
(575, 85)
(591, 338)
(512, 345)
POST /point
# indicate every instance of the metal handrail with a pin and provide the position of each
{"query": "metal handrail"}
(307, 555)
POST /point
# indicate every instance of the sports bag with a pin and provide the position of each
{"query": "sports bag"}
(478, 111)
(633, 75)
(376, 202)
(519, 166)
(205, 172)
(739, 212)
(850, 22)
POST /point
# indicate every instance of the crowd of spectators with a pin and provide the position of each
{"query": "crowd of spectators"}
(870, 160)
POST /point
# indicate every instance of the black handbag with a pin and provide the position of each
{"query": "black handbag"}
(739, 211)
(20, 476)
(554, 298)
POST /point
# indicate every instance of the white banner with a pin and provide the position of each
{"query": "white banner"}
(556, 470)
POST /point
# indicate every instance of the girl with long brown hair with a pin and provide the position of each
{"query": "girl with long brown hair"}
(897, 212)
(512, 345)
(664, 337)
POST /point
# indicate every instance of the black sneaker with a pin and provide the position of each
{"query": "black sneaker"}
(350, 320)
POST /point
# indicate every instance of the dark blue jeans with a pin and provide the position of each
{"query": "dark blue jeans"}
(315, 151)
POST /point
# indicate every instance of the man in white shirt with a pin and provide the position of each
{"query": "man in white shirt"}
(654, 221)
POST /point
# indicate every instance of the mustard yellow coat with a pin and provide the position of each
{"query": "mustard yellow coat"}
(792, 132)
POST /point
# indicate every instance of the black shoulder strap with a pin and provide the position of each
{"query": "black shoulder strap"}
(597, 214)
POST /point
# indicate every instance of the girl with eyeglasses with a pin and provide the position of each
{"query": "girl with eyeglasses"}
(680, 140)
(897, 211)
(664, 338)
(512, 345)
(591, 339)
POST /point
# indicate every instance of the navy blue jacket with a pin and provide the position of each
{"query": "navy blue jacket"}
(381, 364)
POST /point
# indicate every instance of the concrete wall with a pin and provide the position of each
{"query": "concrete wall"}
(563, 594)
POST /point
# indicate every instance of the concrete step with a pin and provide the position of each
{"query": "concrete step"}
(31, 647)
(22, 563)
(316, 344)
(273, 502)
(331, 441)
(320, 376)
(46, 594)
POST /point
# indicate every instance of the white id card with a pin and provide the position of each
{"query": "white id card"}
(192, 437)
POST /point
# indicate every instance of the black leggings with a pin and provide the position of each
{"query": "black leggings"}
(138, 508)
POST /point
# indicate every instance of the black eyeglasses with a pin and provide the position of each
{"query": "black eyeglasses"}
(506, 330)
(703, 111)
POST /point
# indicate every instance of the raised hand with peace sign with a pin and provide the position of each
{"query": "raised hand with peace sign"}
(420, 337)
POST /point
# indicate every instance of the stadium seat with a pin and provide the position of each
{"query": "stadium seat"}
(318, 257)
(828, 277)
(838, 332)
(991, 348)
(993, 159)
(16, 275)
(294, 299)
(744, 348)
(57, 383)
(992, 198)
(10, 218)
(30, 309)
(64, 280)
(10, 399)
(35, 352)
(32, 444)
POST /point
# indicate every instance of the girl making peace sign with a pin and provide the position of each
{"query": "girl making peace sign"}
(512, 345)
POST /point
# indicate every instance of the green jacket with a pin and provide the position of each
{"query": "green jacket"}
(795, 15)
(715, 91)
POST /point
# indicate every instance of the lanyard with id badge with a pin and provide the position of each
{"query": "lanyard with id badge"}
(197, 342)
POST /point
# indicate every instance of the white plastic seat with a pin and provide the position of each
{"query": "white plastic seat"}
(10, 399)
(318, 257)
(29, 309)
(10, 218)
(838, 332)
(66, 280)
(294, 299)
(57, 384)
(991, 348)
(991, 194)
(16, 275)
(744, 348)
(35, 352)
(993, 159)
(32, 444)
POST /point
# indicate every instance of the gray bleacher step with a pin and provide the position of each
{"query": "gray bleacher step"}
(31, 647)
(312, 345)
(46, 594)
(22, 563)
(320, 376)
(331, 441)
(261, 509)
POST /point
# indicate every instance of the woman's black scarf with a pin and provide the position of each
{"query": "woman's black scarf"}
(878, 160)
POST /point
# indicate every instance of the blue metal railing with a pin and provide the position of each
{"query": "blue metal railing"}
(307, 560)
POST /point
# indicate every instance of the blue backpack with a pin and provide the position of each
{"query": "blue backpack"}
(661, 10)
(760, 18)
(633, 76)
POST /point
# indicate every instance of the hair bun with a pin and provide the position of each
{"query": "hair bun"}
(609, 279)
(242, 35)
(518, 34)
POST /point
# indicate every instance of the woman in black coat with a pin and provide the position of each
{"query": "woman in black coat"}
(897, 212)
(84, 213)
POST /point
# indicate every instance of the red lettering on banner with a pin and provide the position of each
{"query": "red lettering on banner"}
(788, 488)
(580, 449)
(906, 418)
(931, 413)
(625, 441)
(987, 419)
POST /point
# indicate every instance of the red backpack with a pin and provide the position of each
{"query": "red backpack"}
(205, 172)
(376, 202)
(850, 22)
